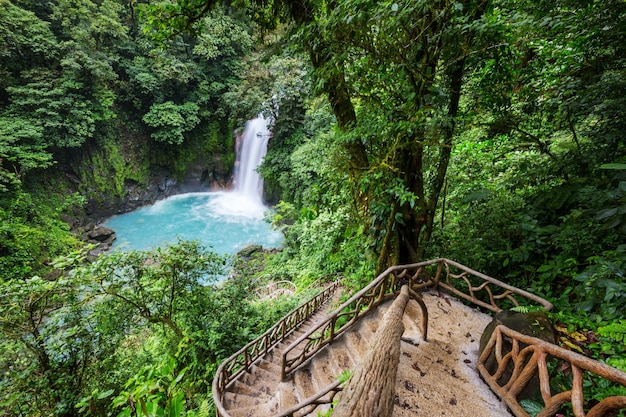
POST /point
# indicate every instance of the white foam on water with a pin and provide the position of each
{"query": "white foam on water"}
(234, 207)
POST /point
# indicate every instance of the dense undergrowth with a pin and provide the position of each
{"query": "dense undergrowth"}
(506, 155)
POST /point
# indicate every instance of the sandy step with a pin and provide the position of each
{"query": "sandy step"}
(303, 383)
(239, 387)
(237, 400)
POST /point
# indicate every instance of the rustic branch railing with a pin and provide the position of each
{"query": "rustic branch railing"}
(527, 358)
(241, 361)
(387, 284)
(324, 396)
(376, 292)
(477, 287)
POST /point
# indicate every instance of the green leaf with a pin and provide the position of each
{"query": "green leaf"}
(179, 377)
(606, 213)
(613, 166)
(105, 394)
(532, 407)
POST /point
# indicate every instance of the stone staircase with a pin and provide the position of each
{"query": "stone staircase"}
(431, 374)
(259, 392)
(293, 368)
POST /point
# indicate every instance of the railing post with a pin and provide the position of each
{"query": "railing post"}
(438, 273)
(283, 373)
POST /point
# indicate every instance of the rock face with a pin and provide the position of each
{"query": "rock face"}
(202, 175)
(535, 324)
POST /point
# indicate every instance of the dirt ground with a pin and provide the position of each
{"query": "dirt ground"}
(438, 377)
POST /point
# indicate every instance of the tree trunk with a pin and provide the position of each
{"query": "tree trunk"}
(370, 391)
(456, 83)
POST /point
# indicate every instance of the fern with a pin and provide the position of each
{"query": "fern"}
(345, 376)
(526, 309)
(204, 410)
(616, 331)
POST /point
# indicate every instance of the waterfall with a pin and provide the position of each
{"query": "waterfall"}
(247, 181)
(245, 201)
(224, 220)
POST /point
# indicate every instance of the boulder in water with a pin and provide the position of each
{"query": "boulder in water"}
(101, 234)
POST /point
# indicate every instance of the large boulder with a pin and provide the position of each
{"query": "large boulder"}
(535, 324)
(101, 234)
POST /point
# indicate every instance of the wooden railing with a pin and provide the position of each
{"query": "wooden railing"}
(308, 405)
(241, 361)
(480, 289)
(275, 289)
(527, 357)
(376, 292)
(471, 285)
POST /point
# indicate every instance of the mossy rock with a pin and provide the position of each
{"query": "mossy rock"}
(249, 251)
(534, 323)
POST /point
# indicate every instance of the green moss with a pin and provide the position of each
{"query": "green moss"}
(32, 234)
(104, 169)
(208, 139)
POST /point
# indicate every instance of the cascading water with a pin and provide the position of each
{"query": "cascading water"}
(255, 137)
(225, 220)
(246, 198)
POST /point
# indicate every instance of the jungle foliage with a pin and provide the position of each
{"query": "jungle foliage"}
(488, 132)
(89, 104)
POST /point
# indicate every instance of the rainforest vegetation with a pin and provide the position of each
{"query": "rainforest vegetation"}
(490, 132)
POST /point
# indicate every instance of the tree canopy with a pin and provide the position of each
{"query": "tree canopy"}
(486, 131)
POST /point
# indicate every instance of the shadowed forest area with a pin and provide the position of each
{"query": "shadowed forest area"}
(490, 132)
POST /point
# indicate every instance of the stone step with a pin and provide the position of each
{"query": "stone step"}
(269, 366)
(359, 341)
(237, 400)
(268, 409)
(265, 380)
(344, 357)
(371, 322)
(253, 391)
(323, 368)
(303, 383)
(286, 395)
